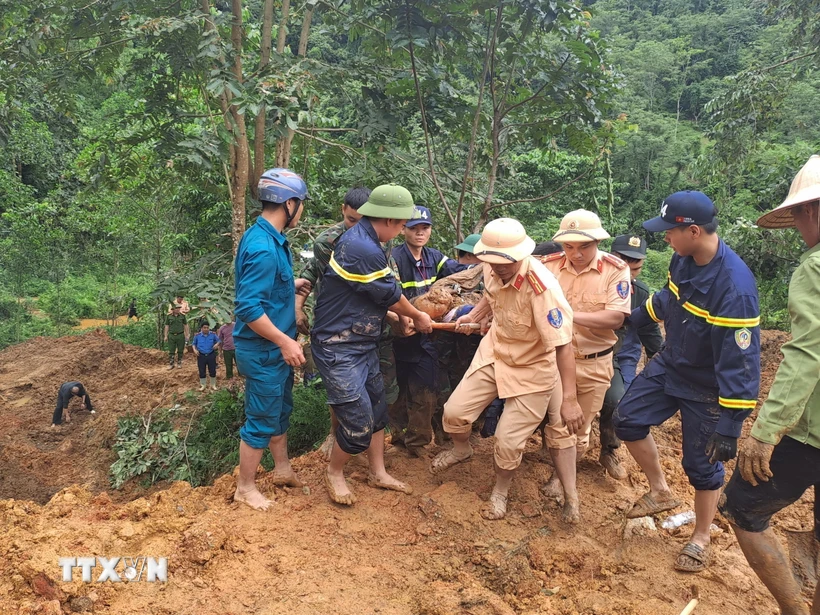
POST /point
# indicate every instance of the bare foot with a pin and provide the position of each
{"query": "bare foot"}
(67, 417)
(385, 481)
(252, 498)
(327, 447)
(286, 479)
(553, 488)
(448, 459)
(338, 490)
(571, 512)
(496, 507)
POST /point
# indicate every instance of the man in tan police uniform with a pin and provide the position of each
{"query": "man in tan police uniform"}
(596, 285)
(530, 334)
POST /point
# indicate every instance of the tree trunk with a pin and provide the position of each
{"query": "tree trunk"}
(493, 172)
(240, 162)
(258, 162)
(283, 147)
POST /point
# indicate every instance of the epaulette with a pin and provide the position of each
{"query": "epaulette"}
(551, 257)
(614, 260)
(519, 280)
(536, 283)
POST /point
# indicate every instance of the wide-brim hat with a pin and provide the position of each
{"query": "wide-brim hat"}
(805, 189)
(389, 201)
(503, 241)
(580, 226)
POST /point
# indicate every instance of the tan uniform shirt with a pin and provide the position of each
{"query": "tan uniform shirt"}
(603, 285)
(530, 319)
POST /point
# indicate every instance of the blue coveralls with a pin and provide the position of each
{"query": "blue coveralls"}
(416, 356)
(264, 285)
(356, 291)
(709, 367)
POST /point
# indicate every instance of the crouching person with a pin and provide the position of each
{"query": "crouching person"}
(357, 291)
(531, 331)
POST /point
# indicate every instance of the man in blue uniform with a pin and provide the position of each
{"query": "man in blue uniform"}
(632, 250)
(709, 367)
(416, 357)
(357, 291)
(265, 332)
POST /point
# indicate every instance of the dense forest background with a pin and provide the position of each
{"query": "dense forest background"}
(132, 132)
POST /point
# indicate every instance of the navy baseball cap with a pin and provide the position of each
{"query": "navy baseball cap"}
(421, 215)
(683, 209)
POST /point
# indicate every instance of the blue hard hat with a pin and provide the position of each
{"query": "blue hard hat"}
(279, 185)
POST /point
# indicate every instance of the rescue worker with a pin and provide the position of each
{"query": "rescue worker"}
(411, 418)
(357, 291)
(781, 457)
(176, 334)
(531, 333)
(632, 250)
(596, 285)
(466, 250)
(265, 332)
(64, 395)
(709, 368)
(313, 273)
(184, 307)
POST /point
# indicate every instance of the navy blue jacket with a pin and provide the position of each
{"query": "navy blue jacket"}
(417, 276)
(357, 288)
(712, 324)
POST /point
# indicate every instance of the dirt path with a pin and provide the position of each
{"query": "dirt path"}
(425, 554)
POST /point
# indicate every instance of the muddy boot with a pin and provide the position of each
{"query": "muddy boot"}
(179, 363)
(202, 384)
(171, 366)
(213, 384)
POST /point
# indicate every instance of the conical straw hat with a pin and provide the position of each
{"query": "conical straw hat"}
(805, 189)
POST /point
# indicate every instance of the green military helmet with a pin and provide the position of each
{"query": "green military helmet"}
(468, 245)
(389, 201)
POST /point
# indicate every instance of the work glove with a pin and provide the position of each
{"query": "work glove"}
(721, 448)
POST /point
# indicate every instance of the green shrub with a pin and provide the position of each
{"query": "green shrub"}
(138, 333)
(149, 448)
(655, 268)
(310, 421)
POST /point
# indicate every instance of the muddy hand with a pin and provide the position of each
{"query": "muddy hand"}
(292, 353)
(572, 415)
(753, 460)
(423, 323)
(462, 323)
(303, 287)
(302, 322)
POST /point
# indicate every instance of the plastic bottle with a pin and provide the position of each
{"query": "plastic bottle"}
(670, 523)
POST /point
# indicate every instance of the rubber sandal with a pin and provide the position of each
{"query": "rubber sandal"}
(496, 508)
(446, 460)
(693, 558)
(647, 505)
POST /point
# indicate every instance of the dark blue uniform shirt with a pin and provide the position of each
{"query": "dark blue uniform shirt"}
(264, 285)
(712, 325)
(417, 276)
(357, 288)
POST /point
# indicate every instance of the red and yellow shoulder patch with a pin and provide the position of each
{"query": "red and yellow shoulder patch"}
(551, 257)
(536, 283)
(614, 260)
(519, 280)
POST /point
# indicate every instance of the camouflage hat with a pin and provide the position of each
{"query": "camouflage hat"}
(389, 201)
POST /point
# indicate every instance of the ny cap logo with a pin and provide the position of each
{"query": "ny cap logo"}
(664, 207)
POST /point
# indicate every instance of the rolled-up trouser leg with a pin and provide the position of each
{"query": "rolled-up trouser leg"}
(522, 415)
(355, 391)
(609, 441)
(472, 395)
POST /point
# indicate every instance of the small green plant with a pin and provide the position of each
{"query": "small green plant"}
(148, 447)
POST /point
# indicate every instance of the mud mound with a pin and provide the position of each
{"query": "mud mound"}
(426, 554)
(37, 461)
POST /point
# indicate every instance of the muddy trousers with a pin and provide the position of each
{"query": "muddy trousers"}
(412, 414)
(609, 441)
(176, 343)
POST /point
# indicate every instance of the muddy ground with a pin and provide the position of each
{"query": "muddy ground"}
(425, 554)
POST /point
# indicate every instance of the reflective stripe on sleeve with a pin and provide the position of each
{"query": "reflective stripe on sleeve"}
(737, 404)
(362, 278)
